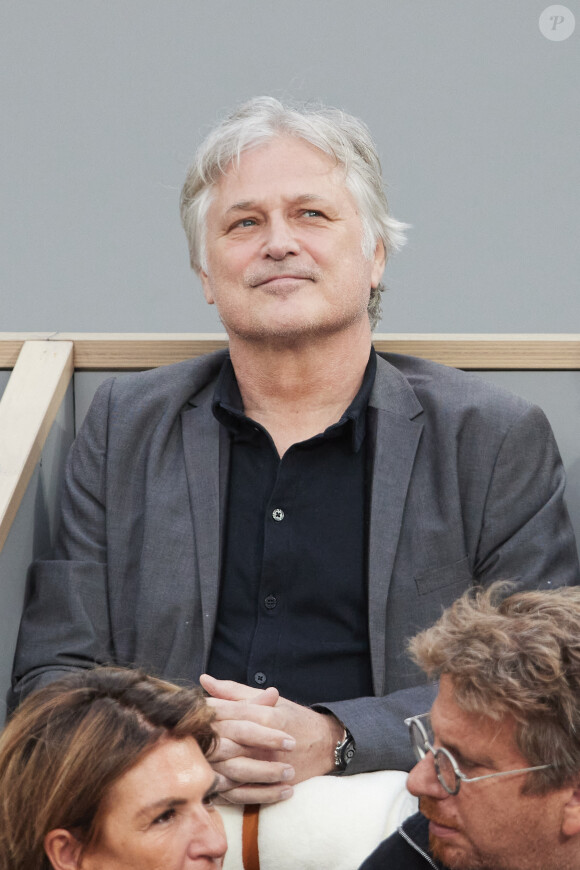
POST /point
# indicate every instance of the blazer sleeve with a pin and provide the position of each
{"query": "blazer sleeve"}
(65, 624)
(525, 536)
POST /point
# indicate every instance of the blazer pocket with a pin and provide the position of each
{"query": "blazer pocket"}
(456, 573)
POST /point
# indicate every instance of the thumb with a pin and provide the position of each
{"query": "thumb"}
(229, 690)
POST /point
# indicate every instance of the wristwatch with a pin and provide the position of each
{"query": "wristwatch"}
(344, 751)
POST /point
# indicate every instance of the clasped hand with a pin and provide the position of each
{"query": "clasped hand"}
(266, 744)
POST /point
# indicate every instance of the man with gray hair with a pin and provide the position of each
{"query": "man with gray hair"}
(498, 772)
(277, 520)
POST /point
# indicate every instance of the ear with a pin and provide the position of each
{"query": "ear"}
(571, 814)
(63, 849)
(206, 286)
(379, 262)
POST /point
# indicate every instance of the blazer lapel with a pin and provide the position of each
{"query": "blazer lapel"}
(206, 466)
(394, 406)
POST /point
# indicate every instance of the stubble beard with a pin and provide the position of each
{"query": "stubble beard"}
(456, 859)
(471, 858)
(474, 860)
(462, 856)
(294, 333)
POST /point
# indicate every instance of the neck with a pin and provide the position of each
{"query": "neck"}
(296, 390)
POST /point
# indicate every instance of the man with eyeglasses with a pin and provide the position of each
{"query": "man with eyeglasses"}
(498, 756)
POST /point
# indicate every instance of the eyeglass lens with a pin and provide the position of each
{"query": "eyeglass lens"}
(422, 741)
(445, 772)
(419, 740)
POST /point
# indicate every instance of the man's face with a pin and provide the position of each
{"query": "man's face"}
(284, 246)
(159, 815)
(488, 825)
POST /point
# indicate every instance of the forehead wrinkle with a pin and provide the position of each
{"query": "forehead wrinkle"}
(468, 753)
(243, 205)
(299, 199)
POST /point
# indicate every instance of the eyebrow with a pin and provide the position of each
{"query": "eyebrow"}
(483, 760)
(163, 803)
(249, 204)
(170, 803)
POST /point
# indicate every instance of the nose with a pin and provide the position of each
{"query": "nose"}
(208, 837)
(280, 239)
(422, 780)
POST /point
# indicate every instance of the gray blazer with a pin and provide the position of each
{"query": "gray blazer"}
(467, 487)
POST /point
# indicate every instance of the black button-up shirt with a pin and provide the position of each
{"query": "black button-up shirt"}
(293, 601)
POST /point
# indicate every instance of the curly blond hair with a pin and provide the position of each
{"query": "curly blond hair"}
(518, 656)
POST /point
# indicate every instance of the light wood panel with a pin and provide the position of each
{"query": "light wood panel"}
(125, 351)
(494, 351)
(27, 410)
(11, 345)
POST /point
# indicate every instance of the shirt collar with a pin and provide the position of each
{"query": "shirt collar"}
(356, 412)
(228, 407)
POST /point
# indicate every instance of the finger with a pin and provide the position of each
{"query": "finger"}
(254, 735)
(251, 771)
(268, 698)
(270, 717)
(223, 784)
(224, 749)
(229, 690)
(258, 794)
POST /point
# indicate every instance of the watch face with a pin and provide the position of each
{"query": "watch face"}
(344, 752)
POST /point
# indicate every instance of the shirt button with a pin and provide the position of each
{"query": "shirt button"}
(271, 601)
(260, 678)
(278, 515)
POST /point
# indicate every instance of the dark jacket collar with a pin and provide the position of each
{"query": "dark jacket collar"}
(415, 830)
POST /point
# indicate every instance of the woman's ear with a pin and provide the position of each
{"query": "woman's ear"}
(63, 849)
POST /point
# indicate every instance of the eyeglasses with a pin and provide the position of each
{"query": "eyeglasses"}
(446, 768)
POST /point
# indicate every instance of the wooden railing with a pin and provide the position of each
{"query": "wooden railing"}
(28, 407)
(123, 351)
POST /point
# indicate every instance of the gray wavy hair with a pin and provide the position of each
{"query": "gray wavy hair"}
(517, 656)
(343, 137)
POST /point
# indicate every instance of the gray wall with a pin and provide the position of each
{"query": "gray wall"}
(4, 376)
(102, 104)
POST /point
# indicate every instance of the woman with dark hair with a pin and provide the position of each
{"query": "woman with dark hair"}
(105, 770)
